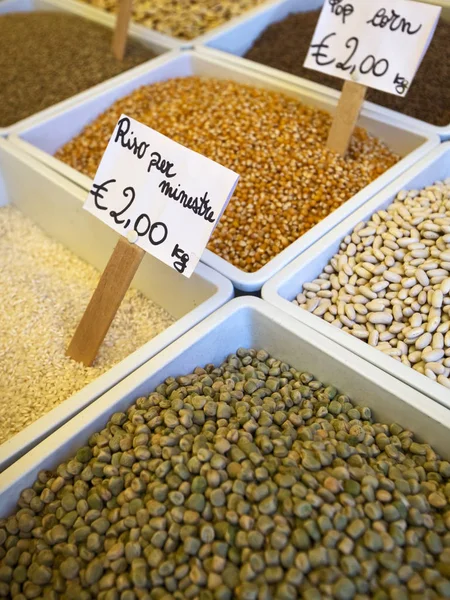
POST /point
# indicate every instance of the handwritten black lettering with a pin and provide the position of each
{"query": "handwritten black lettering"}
(128, 191)
(138, 148)
(150, 229)
(153, 235)
(378, 67)
(129, 141)
(344, 66)
(199, 206)
(319, 54)
(401, 84)
(394, 21)
(147, 225)
(341, 10)
(183, 259)
(97, 192)
(368, 64)
(161, 164)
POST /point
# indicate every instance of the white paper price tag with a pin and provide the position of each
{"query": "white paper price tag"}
(159, 194)
(377, 43)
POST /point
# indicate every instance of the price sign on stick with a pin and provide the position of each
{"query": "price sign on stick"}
(369, 43)
(165, 200)
(121, 31)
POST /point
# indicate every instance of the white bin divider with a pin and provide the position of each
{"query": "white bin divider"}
(243, 322)
(283, 288)
(55, 204)
(156, 45)
(232, 44)
(45, 136)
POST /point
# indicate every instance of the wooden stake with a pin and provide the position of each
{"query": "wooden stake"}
(121, 31)
(102, 308)
(349, 107)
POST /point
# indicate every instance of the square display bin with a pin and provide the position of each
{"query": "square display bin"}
(232, 44)
(146, 32)
(56, 205)
(47, 135)
(283, 288)
(154, 44)
(243, 322)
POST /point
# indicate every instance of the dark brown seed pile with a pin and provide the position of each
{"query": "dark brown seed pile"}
(247, 481)
(284, 45)
(46, 57)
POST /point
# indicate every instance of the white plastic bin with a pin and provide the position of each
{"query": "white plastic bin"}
(55, 205)
(283, 288)
(46, 135)
(152, 42)
(239, 39)
(146, 32)
(243, 322)
(232, 44)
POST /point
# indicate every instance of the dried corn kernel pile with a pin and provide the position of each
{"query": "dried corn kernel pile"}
(289, 180)
(186, 19)
(46, 290)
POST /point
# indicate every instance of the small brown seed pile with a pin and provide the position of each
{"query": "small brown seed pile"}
(289, 180)
(46, 57)
(248, 481)
(389, 283)
(185, 19)
(284, 45)
(45, 290)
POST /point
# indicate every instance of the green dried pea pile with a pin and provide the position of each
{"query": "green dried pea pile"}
(46, 57)
(251, 481)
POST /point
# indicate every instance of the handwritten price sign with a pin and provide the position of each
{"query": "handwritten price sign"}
(377, 43)
(162, 196)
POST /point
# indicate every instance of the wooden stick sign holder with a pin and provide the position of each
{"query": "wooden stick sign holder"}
(121, 30)
(347, 113)
(105, 302)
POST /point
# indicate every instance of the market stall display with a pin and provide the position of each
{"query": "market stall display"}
(159, 440)
(51, 255)
(254, 155)
(51, 64)
(227, 472)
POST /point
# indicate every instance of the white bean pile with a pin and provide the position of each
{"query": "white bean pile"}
(389, 283)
